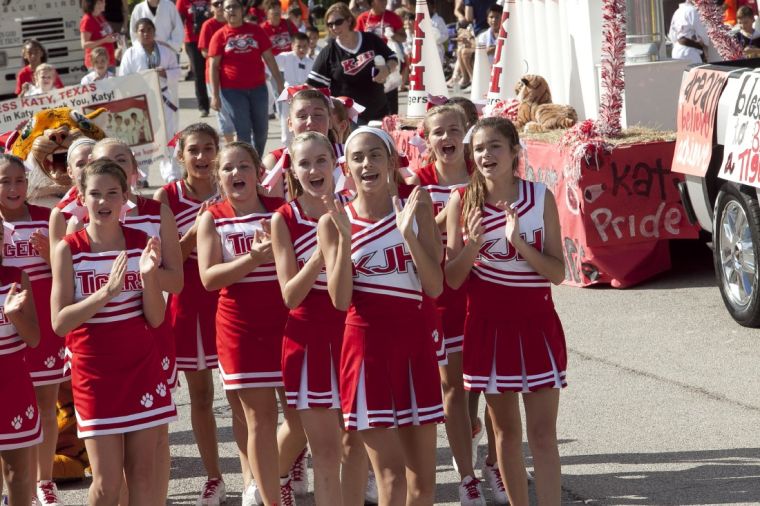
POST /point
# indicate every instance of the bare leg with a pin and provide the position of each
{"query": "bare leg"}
(419, 452)
(354, 469)
(16, 467)
(541, 421)
(240, 432)
(260, 408)
(291, 439)
(387, 456)
(106, 454)
(505, 415)
(47, 395)
(322, 429)
(458, 427)
(144, 480)
(200, 385)
(162, 467)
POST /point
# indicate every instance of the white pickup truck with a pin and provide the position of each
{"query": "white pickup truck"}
(724, 201)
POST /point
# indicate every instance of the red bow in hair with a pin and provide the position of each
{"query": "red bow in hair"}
(434, 100)
(289, 92)
(352, 108)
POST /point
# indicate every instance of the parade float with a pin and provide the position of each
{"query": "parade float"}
(618, 200)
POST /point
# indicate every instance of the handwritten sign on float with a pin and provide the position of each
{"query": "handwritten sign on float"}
(741, 154)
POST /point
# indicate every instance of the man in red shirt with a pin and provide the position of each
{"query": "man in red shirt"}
(193, 14)
(209, 28)
(390, 27)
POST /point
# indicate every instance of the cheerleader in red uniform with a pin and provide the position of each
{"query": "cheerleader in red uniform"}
(70, 205)
(511, 251)
(192, 311)
(381, 255)
(27, 248)
(235, 257)
(314, 330)
(106, 298)
(20, 420)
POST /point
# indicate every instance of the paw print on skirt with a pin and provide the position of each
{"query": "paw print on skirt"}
(161, 390)
(50, 362)
(62, 353)
(165, 364)
(146, 400)
(16, 422)
(30, 412)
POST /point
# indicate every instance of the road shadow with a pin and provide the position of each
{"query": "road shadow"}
(696, 477)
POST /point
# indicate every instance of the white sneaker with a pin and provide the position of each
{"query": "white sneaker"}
(299, 478)
(492, 477)
(470, 492)
(47, 494)
(251, 496)
(214, 493)
(370, 494)
(287, 497)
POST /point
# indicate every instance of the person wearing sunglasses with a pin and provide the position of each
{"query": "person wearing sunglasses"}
(354, 64)
(237, 54)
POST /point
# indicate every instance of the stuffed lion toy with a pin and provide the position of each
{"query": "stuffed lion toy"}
(43, 143)
(536, 112)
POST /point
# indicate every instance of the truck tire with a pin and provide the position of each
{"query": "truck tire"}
(736, 239)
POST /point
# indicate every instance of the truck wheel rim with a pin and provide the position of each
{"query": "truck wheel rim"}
(737, 255)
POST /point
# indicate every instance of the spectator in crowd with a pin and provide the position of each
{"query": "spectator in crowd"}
(193, 14)
(164, 15)
(407, 17)
(100, 68)
(303, 9)
(354, 72)
(390, 28)
(294, 16)
(146, 53)
(44, 80)
(33, 53)
(314, 41)
(209, 28)
(256, 13)
(442, 31)
(488, 37)
(295, 66)
(688, 34)
(731, 9)
(116, 12)
(462, 75)
(358, 6)
(476, 13)
(279, 31)
(94, 31)
(746, 34)
(317, 16)
(237, 55)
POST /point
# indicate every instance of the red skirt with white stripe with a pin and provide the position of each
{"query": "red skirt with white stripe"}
(435, 325)
(19, 417)
(192, 314)
(118, 379)
(250, 319)
(165, 344)
(46, 362)
(389, 374)
(513, 340)
(310, 360)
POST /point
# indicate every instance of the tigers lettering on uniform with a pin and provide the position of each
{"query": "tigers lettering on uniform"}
(240, 44)
(353, 66)
(91, 281)
(240, 242)
(19, 249)
(3, 319)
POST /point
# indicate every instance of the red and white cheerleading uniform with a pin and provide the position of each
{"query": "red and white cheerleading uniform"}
(148, 220)
(314, 330)
(388, 373)
(19, 419)
(513, 339)
(192, 311)
(451, 304)
(70, 205)
(46, 362)
(117, 378)
(250, 314)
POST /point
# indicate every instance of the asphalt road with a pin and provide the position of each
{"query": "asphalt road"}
(662, 405)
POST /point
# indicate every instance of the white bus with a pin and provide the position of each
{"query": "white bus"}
(55, 23)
